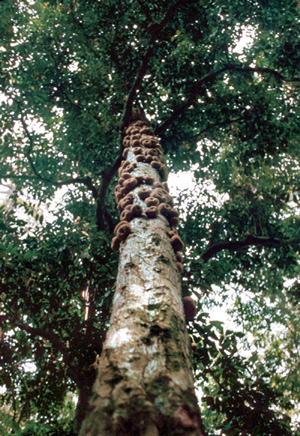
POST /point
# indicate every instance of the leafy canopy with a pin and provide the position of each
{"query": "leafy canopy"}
(70, 75)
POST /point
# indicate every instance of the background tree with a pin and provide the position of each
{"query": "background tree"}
(70, 74)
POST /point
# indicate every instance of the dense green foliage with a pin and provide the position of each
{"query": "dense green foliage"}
(70, 73)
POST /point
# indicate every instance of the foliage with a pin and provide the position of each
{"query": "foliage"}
(70, 73)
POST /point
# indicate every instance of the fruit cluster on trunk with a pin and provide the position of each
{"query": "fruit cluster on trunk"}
(142, 190)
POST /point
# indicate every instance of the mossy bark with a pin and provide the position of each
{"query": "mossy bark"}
(144, 385)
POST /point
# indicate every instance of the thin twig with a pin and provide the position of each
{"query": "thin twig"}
(197, 88)
(248, 241)
(155, 31)
(218, 124)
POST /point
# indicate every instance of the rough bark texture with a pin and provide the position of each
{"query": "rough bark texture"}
(145, 383)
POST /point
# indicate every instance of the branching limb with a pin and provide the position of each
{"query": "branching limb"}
(23, 122)
(76, 105)
(55, 340)
(87, 181)
(218, 124)
(8, 176)
(106, 179)
(274, 73)
(49, 335)
(155, 30)
(248, 241)
(197, 88)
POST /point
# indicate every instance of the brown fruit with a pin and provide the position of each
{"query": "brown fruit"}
(115, 244)
(117, 188)
(125, 153)
(131, 167)
(165, 210)
(163, 172)
(177, 243)
(159, 194)
(126, 175)
(190, 310)
(151, 212)
(144, 193)
(140, 179)
(165, 186)
(123, 191)
(174, 221)
(140, 158)
(148, 180)
(129, 130)
(141, 123)
(130, 184)
(179, 267)
(134, 137)
(172, 233)
(134, 131)
(150, 201)
(154, 152)
(135, 143)
(194, 347)
(148, 143)
(126, 215)
(146, 131)
(126, 201)
(156, 158)
(138, 150)
(120, 223)
(123, 231)
(126, 141)
(156, 165)
(136, 210)
(179, 256)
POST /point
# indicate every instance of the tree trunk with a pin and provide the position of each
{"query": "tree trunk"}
(145, 384)
(84, 393)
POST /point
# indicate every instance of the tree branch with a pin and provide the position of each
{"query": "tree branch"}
(218, 124)
(211, 76)
(249, 240)
(154, 29)
(49, 335)
(55, 341)
(87, 181)
(262, 70)
(106, 179)
(76, 105)
(31, 147)
(16, 176)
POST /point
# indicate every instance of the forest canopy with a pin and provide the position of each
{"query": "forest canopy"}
(219, 82)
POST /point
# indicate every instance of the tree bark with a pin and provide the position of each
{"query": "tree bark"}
(145, 383)
(84, 393)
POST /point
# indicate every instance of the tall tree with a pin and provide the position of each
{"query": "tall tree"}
(71, 74)
(145, 359)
